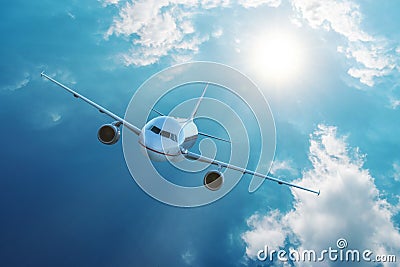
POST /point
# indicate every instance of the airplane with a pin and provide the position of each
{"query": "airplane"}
(170, 138)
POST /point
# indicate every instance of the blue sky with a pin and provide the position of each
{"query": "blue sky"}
(329, 70)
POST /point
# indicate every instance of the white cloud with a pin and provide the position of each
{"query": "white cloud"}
(365, 75)
(394, 103)
(257, 3)
(372, 61)
(218, 33)
(266, 230)
(178, 59)
(147, 55)
(188, 257)
(45, 118)
(372, 58)
(187, 27)
(18, 84)
(209, 4)
(282, 165)
(342, 17)
(109, 2)
(72, 16)
(349, 206)
(396, 171)
(159, 28)
(55, 117)
(63, 75)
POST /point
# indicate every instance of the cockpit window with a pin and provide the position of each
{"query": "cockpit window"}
(155, 129)
(165, 134)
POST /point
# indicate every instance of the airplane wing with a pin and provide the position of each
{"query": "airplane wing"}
(193, 156)
(131, 127)
(214, 137)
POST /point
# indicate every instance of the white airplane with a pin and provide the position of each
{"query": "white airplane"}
(170, 138)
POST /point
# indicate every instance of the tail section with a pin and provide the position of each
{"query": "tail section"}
(197, 104)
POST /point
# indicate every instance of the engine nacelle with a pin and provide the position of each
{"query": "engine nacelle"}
(213, 180)
(108, 134)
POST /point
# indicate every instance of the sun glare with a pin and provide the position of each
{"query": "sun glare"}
(278, 57)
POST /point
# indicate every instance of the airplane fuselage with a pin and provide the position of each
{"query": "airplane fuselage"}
(162, 138)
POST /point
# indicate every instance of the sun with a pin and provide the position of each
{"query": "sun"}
(277, 57)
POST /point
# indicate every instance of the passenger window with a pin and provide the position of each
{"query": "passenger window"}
(173, 137)
(165, 134)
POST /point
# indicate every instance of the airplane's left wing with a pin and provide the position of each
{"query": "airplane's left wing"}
(193, 156)
(128, 125)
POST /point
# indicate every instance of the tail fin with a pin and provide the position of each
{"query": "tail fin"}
(198, 104)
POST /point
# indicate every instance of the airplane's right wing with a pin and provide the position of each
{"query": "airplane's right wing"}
(193, 156)
(131, 127)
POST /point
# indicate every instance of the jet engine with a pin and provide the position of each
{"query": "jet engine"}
(108, 134)
(213, 180)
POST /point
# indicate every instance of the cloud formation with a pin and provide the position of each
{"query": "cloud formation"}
(156, 29)
(110, 2)
(257, 3)
(18, 84)
(350, 206)
(167, 28)
(282, 166)
(372, 56)
(188, 257)
(396, 171)
(160, 28)
(394, 103)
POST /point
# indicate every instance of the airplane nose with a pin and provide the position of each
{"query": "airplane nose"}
(149, 146)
